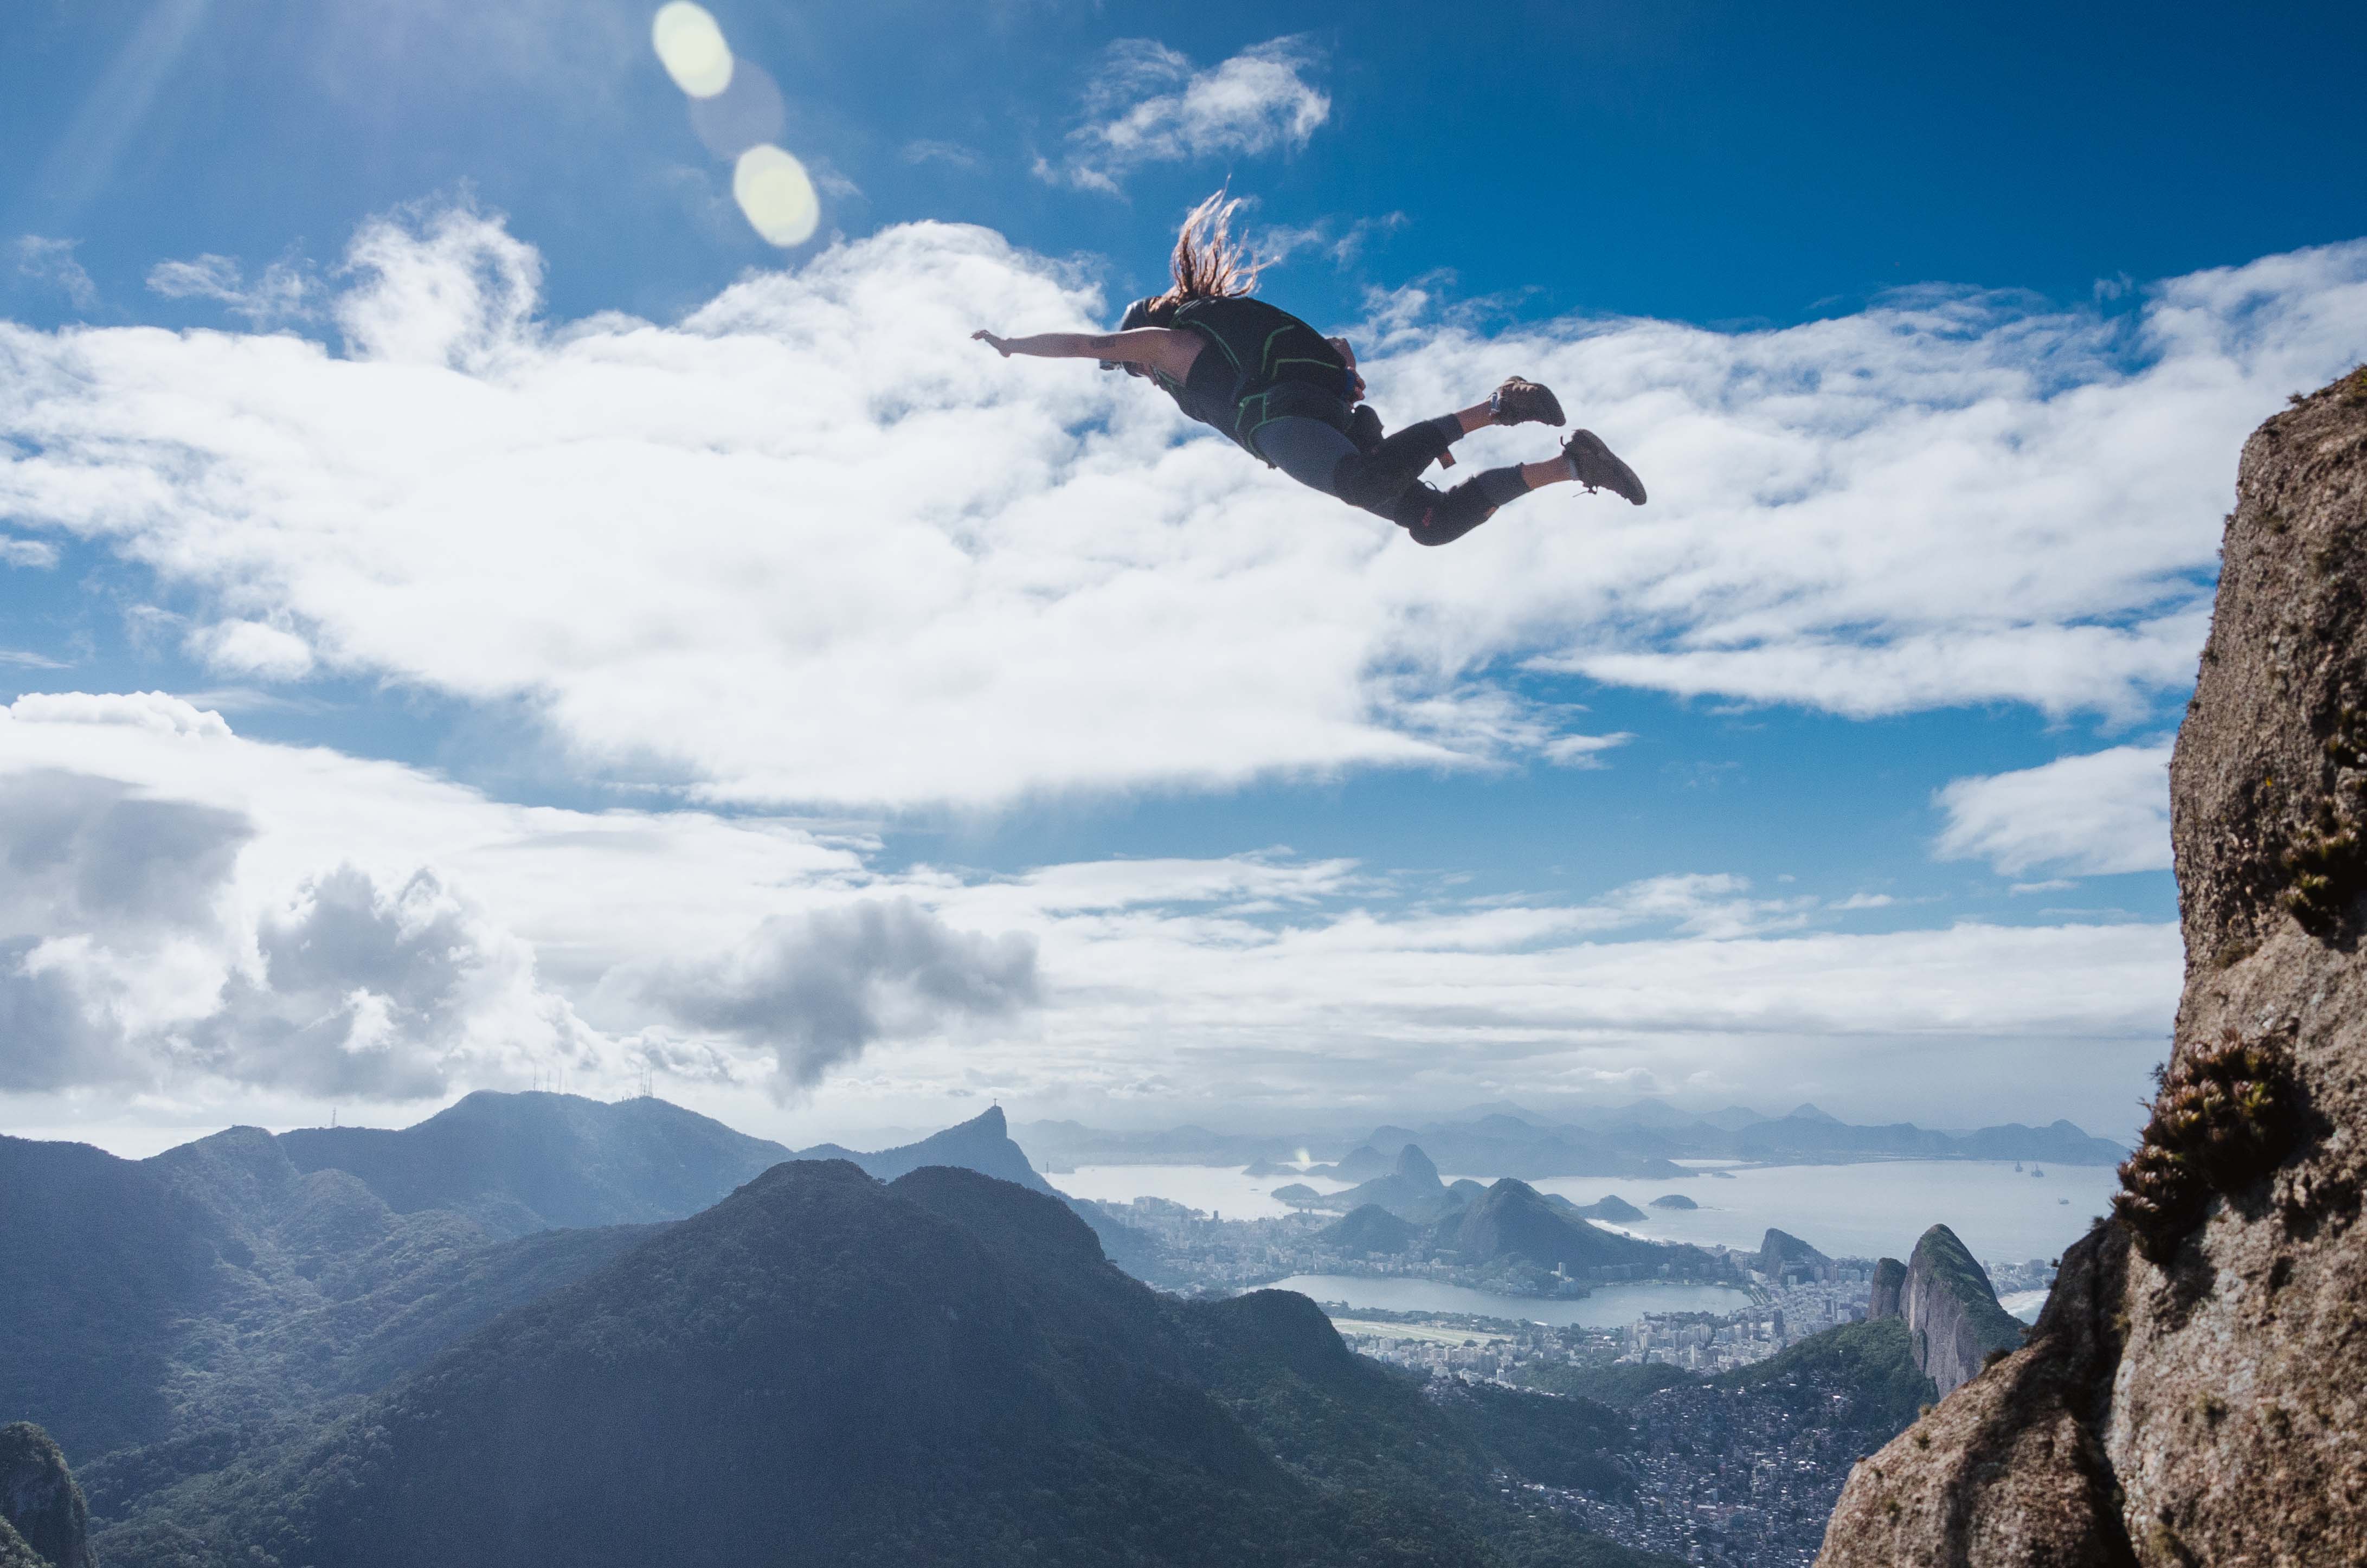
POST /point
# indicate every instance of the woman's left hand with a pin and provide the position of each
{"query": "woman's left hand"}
(982, 335)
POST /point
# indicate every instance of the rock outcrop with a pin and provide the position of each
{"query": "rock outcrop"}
(2194, 1391)
(1411, 1190)
(1782, 1252)
(40, 1500)
(1954, 1322)
(1889, 1278)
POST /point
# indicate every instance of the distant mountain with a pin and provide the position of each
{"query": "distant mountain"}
(982, 1144)
(216, 1283)
(1514, 1221)
(1641, 1141)
(1411, 1190)
(822, 1370)
(521, 1163)
(1781, 1252)
(1673, 1200)
(1369, 1229)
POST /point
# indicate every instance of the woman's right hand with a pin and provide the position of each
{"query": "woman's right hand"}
(998, 345)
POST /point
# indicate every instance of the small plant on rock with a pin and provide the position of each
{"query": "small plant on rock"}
(2223, 1119)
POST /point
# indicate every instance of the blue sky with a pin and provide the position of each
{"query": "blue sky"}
(495, 497)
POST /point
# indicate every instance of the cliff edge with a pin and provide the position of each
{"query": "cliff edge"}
(2193, 1391)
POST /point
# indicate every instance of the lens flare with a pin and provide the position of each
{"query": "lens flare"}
(773, 190)
(691, 48)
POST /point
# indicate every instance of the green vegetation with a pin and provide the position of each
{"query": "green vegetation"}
(1622, 1385)
(42, 1509)
(1873, 1359)
(1370, 1228)
(2223, 1119)
(15, 1554)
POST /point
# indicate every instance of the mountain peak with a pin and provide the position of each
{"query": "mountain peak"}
(1415, 1164)
(1805, 1112)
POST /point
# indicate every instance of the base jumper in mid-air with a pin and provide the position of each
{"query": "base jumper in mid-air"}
(1292, 397)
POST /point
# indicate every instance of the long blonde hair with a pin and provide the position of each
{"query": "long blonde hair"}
(1210, 264)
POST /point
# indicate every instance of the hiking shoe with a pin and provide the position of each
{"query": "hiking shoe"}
(1595, 466)
(1523, 402)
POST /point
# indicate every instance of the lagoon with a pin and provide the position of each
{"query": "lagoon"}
(1611, 1306)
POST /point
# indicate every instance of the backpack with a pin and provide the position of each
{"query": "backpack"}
(1282, 368)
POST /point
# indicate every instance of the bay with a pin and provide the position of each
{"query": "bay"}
(1873, 1210)
(1610, 1306)
(1212, 1189)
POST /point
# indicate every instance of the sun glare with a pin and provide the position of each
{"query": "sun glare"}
(690, 45)
(773, 190)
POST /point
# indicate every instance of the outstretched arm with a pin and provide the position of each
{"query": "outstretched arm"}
(1155, 348)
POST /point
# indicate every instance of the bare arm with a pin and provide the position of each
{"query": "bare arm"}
(1162, 349)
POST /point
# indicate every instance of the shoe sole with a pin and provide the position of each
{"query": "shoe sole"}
(1550, 415)
(1622, 481)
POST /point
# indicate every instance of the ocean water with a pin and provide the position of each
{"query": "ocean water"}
(1873, 1210)
(1216, 1189)
(1610, 1306)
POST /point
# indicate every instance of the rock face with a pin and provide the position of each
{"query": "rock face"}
(1952, 1317)
(2195, 1388)
(1780, 1253)
(1889, 1276)
(38, 1497)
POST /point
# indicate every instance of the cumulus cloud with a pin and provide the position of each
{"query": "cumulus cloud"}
(51, 261)
(1146, 104)
(814, 990)
(811, 547)
(129, 958)
(395, 994)
(2080, 816)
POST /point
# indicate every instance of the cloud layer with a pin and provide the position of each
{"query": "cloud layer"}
(194, 908)
(812, 546)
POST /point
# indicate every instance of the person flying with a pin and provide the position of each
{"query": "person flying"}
(1291, 396)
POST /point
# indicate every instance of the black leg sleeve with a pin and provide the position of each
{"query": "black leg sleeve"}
(1374, 480)
(1436, 517)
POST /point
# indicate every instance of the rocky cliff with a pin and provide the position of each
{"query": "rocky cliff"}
(2194, 1391)
(1954, 1322)
(40, 1500)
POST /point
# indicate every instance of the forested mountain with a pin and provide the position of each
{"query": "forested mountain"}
(822, 1369)
(521, 1163)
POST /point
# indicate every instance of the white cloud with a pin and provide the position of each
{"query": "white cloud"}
(815, 989)
(1148, 105)
(253, 648)
(285, 293)
(31, 553)
(2079, 816)
(51, 261)
(813, 546)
